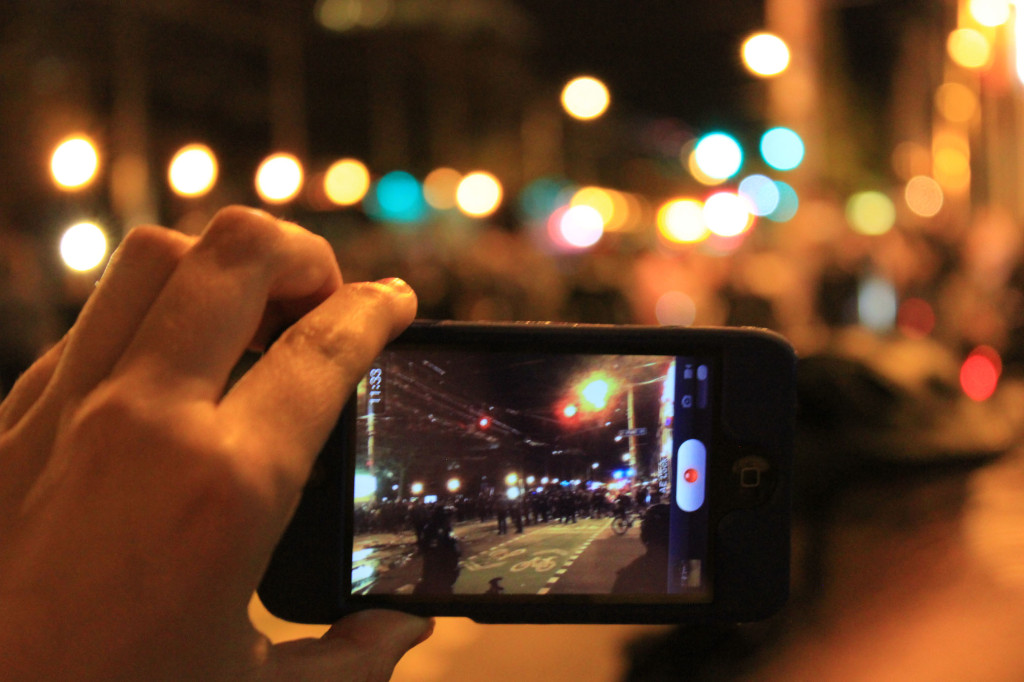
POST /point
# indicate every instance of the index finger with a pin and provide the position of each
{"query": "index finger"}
(290, 399)
(211, 307)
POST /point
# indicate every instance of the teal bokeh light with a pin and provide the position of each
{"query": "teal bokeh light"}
(541, 197)
(782, 149)
(397, 197)
(789, 202)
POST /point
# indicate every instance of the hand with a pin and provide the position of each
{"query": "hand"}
(139, 502)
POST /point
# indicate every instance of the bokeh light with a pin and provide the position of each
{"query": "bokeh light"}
(439, 188)
(83, 246)
(718, 155)
(541, 197)
(782, 149)
(915, 318)
(346, 182)
(585, 98)
(347, 15)
(765, 54)
(979, 373)
(577, 227)
(877, 304)
(681, 221)
(870, 213)
(727, 214)
(762, 192)
(924, 196)
(951, 161)
(613, 206)
(74, 163)
(478, 194)
(989, 13)
(956, 102)
(279, 178)
(789, 203)
(969, 48)
(675, 308)
(192, 171)
(398, 198)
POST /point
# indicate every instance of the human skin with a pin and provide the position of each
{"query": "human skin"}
(140, 500)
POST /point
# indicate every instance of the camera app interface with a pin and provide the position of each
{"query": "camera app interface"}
(527, 474)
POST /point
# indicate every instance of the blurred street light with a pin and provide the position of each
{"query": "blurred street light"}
(990, 13)
(83, 246)
(585, 98)
(279, 178)
(346, 182)
(765, 54)
(192, 171)
(718, 156)
(74, 163)
(478, 194)
(681, 221)
(969, 48)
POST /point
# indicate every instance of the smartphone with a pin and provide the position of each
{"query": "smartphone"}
(552, 473)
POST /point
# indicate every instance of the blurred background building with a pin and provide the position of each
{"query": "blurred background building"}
(804, 165)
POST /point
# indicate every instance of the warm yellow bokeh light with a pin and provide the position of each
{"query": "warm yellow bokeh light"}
(990, 13)
(698, 174)
(951, 167)
(83, 246)
(613, 206)
(924, 196)
(585, 98)
(346, 182)
(193, 171)
(74, 163)
(681, 221)
(765, 54)
(279, 178)
(969, 48)
(870, 213)
(439, 188)
(956, 102)
(951, 160)
(478, 194)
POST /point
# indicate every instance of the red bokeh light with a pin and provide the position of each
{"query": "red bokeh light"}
(979, 375)
(915, 318)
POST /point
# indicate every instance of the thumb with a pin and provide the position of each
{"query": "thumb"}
(363, 647)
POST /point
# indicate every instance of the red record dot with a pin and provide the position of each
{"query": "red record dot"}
(690, 475)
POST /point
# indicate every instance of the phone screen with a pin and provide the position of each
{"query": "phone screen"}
(507, 473)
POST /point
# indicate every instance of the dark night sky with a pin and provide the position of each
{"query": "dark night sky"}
(660, 57)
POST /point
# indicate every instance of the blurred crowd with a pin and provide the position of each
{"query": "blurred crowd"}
(960, 288)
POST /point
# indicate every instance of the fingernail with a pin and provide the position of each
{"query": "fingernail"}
(396, 283)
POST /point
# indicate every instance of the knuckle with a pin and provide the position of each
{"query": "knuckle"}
(148, 243)
(238, 234)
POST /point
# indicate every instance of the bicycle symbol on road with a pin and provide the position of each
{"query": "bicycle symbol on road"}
(541, 564)
(494, 558)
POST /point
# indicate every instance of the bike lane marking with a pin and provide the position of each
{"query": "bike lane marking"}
(565, 566)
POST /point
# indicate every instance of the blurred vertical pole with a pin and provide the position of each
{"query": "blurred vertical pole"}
(389, 124)
(794, 97)
(131, 195)
(286, 61)
(543, 139)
